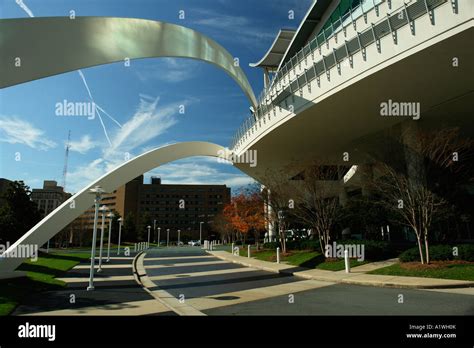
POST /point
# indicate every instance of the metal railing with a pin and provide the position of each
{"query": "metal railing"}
(283, 86)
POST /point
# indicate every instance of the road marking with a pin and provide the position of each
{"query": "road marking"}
(256, 294)
(200, 274)
(96, 279)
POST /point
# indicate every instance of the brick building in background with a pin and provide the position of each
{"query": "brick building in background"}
(167, 206)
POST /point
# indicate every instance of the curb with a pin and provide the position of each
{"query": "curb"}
(160, 295)
(351, 279)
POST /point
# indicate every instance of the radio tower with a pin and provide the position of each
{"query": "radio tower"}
(65, 160)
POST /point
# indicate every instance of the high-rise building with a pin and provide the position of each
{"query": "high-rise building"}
(167, 206)
(178, 206)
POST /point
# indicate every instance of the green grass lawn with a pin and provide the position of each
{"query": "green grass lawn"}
(40, 276)
(339, 265)
(449, 271)
(300, 258)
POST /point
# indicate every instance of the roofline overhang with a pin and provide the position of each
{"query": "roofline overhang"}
(318, 6)
(278, 37)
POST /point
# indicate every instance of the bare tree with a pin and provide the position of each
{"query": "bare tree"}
(317, 200)
(277, 197)
(412, 194)
(412, 201)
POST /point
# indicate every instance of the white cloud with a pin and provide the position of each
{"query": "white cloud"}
(85, 174)
(170, 70)
(147, 123)
(199, 171)
(237, 28)
(16, 131)
(84, 145)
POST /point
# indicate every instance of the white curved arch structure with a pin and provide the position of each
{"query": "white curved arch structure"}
(53, 45)
(81, 201)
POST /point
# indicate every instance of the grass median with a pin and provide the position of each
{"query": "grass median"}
(301, 258)
(437, 269)
(40, 276)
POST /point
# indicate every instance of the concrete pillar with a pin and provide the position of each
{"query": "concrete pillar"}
(367, 175)
(266, 79)
(412, 148)
(270, 224)
(342, 191)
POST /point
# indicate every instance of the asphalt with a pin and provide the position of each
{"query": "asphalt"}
(212, 286)
(206, 285)
(258, 292)
(342, 299)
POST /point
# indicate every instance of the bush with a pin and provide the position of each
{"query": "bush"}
(440, 253)
(271, 245)
(374, 250)
(410, 255)
(304, 245)
(466, 252)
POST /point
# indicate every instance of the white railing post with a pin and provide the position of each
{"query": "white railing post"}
(346, 261)
(278, 255)
(248, 251)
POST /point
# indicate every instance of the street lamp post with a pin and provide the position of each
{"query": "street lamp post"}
(159, 236)
(97, 191)
(111, 216)
(120, 235)
(200, 232)
(167, 237)
(149, 228)
(103, 209)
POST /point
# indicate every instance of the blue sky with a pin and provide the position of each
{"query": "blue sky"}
(144, 98)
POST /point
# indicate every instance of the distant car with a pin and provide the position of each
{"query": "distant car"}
(195, 243)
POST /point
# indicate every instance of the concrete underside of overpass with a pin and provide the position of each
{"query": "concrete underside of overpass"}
(350, 120)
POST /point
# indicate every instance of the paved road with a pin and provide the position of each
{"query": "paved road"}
(217, 287)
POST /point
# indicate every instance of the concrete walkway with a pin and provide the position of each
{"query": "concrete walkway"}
(357, 277)
(116, 293)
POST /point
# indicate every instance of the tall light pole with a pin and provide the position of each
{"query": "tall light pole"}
(159, 235)
(102, 209)
(97, 191)
(200, 232)
(120, 235)
(149, 228)
(167, 237)
(111, 217)
(179, 231)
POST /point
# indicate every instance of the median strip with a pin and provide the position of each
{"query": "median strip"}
(346, 278)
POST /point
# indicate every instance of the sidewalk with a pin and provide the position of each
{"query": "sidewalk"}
(116, 293)
(357, 276)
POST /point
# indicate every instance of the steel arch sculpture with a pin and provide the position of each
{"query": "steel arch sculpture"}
(34, 48)
(68, 211)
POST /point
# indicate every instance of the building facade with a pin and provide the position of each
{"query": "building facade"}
(165, 206)
(49, 197)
